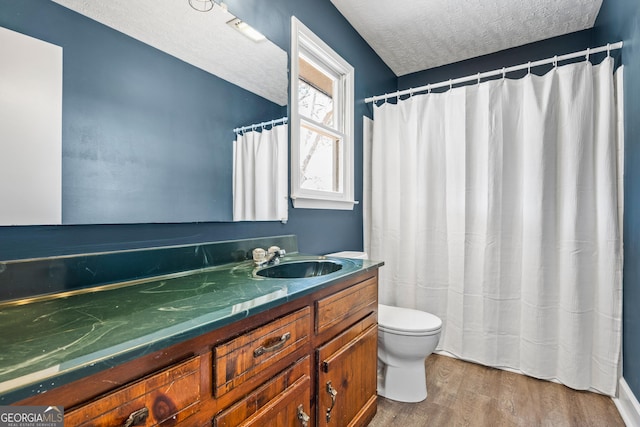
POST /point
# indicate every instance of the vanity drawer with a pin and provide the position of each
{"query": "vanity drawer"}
(335, 308)
(277, 403)
(169, 394)
(259, 350)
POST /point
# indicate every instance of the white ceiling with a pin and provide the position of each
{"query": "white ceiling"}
(198, 38)
(409, 35)
(415, 35)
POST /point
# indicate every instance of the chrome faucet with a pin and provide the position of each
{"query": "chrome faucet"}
(269, 257)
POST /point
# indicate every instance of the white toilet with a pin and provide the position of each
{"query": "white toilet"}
(405, 338)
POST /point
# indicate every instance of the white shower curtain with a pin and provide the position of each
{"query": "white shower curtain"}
(495, 207)
(260, 167)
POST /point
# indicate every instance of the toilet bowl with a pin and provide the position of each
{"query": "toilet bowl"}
(405, 338)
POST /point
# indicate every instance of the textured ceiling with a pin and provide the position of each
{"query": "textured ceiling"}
(201, 39)
(415, 35)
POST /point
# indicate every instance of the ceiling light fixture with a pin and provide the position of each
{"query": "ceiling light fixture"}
(206, 5)
(202, 5)
(247, 30)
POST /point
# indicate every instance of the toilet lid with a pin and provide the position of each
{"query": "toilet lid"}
(407, 320)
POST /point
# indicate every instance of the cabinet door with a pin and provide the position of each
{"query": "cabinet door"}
(347, 378)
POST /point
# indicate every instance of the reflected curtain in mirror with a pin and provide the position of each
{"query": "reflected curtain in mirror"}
(260, 162)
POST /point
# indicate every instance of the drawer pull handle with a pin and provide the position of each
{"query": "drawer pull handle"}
(272, 344)
(333, 393)
(304, 418)
(137, 418)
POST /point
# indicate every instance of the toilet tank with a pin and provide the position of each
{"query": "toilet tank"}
(349, 254)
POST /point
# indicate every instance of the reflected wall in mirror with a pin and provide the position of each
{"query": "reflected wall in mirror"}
(147, 135)
(208, 40)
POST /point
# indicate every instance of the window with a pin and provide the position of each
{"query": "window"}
(321, 124)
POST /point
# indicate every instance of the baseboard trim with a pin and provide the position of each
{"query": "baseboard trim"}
(627, 405)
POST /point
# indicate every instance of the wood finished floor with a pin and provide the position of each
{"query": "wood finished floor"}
(465, 394)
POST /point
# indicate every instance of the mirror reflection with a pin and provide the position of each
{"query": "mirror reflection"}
(147, 120)
(211, 40)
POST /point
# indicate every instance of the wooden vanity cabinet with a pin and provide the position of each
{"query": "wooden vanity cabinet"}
(168, 397)
(346, 389)
(347, 363)
(287, 366)
(282, 401)
(257, 356)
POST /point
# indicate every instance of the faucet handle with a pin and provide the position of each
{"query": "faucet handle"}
(259, 256)
(276, 251)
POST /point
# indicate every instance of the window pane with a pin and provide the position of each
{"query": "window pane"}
(320, 161)
(315, 94)
(314, 104)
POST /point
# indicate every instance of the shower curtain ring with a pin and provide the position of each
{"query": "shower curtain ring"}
(555, 61)
(504, 72)
(608, 50)
(429, 88)
(588, 52)
(529, 68)
(478, 78)
(450, 84)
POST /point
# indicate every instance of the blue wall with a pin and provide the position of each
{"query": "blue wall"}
(620, 20)
(98, 70)
(531, 52)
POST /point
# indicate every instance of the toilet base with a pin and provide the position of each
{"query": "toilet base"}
(402, 384)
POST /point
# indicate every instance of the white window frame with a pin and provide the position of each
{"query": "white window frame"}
(305, 41)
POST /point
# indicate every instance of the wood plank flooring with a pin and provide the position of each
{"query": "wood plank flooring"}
(465, 394)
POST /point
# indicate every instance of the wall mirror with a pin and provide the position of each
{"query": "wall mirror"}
(144, 138)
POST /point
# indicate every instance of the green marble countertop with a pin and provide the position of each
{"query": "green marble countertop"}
(50, 341)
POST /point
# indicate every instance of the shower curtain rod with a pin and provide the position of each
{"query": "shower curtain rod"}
(261, 125)
(554, 60)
